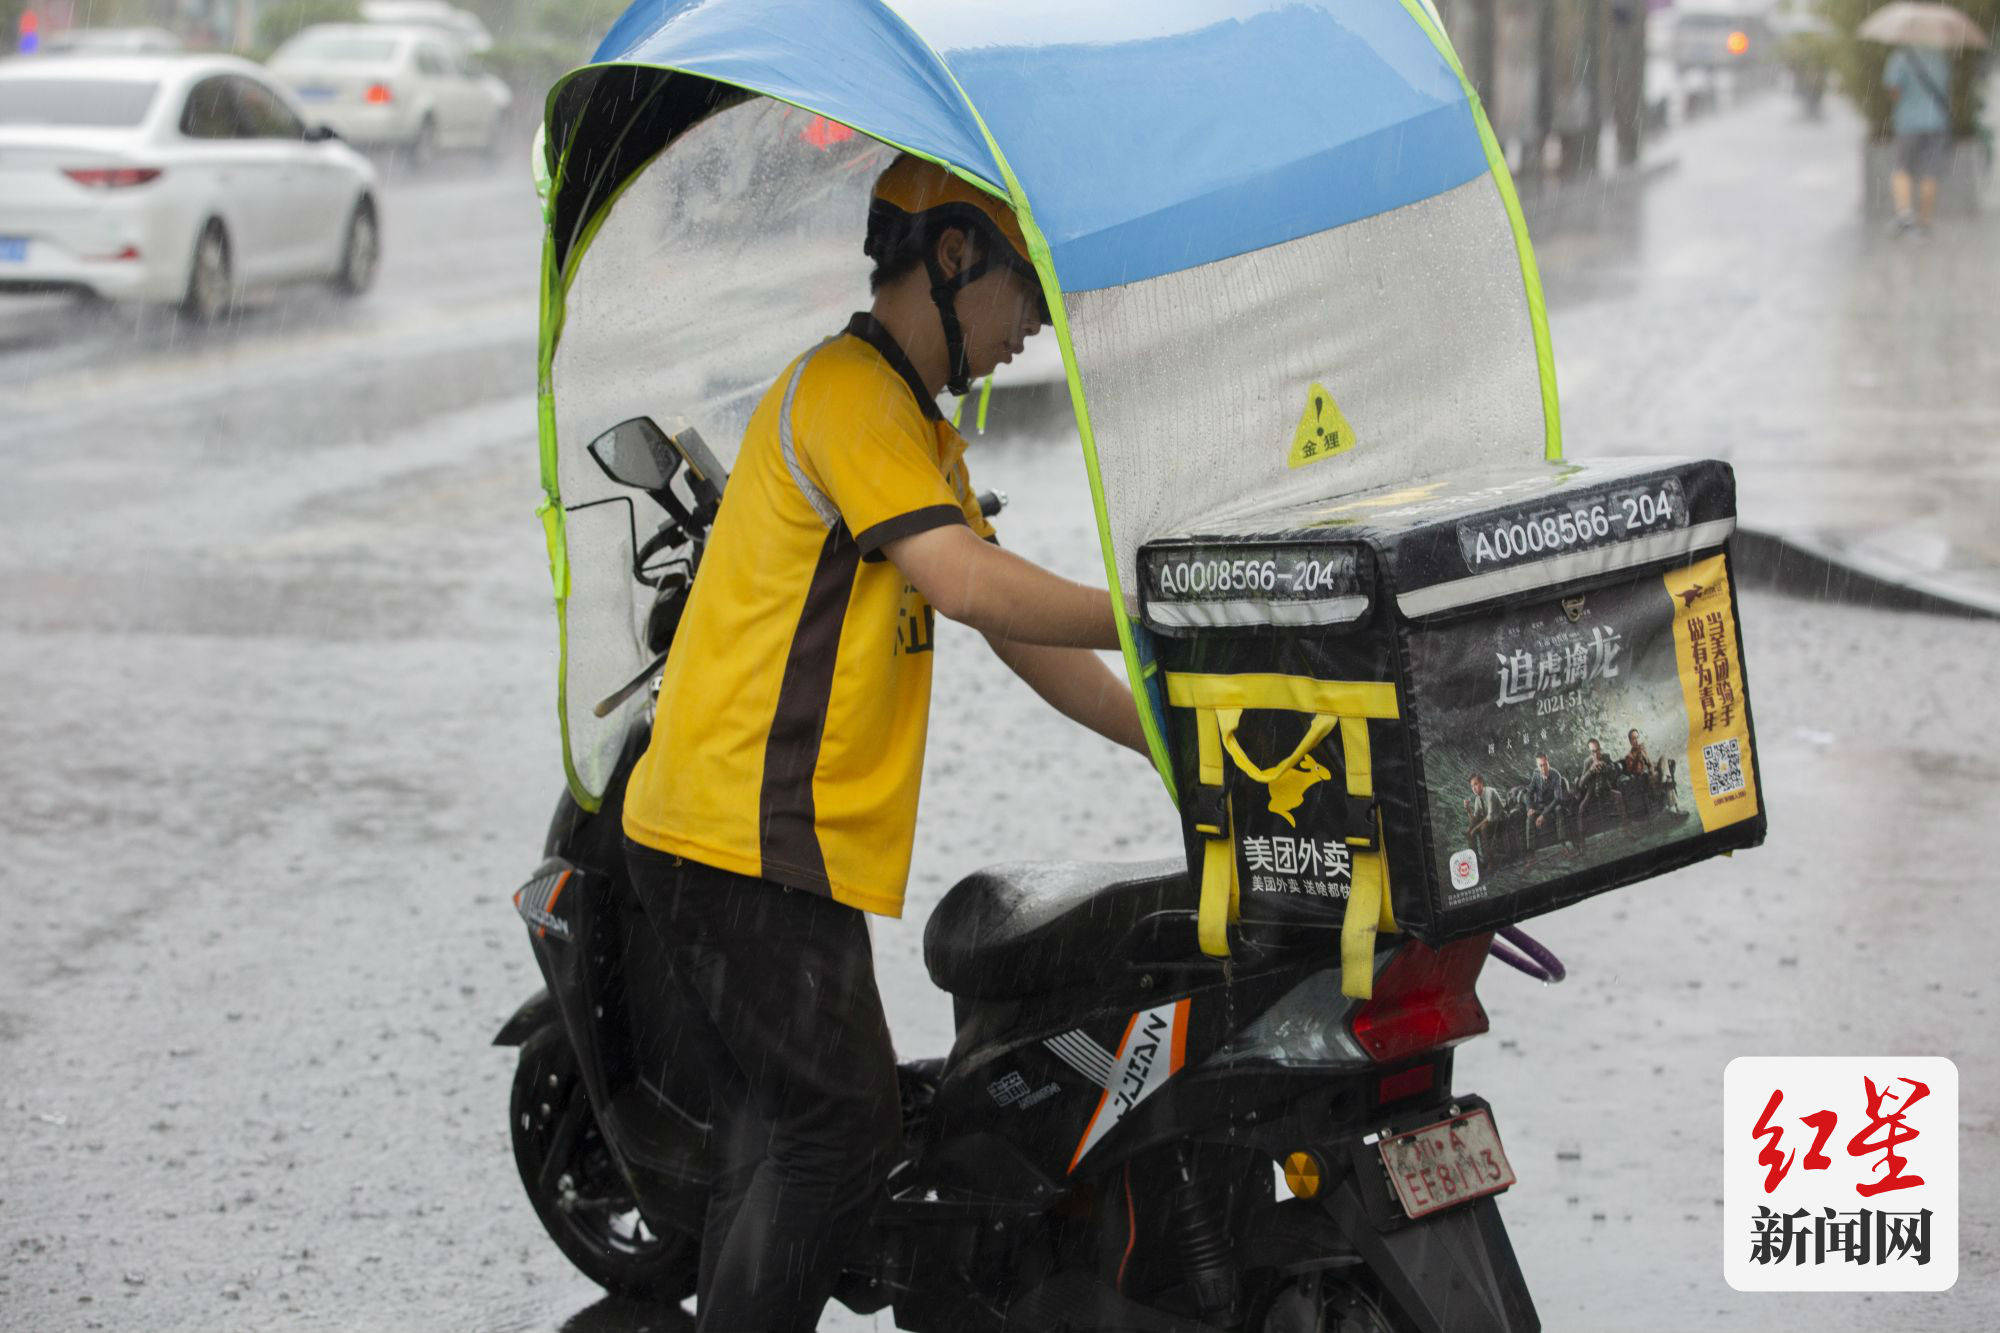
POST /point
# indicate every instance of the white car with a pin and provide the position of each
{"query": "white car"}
(462, 26)
(110, 42)
(407, 88)
(173, 178)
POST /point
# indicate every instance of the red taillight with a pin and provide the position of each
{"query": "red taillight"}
(1423, 1000)
(112, 178)
(379, 94)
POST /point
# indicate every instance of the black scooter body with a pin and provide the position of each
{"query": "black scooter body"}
(1098, 1149)
(998, 1183)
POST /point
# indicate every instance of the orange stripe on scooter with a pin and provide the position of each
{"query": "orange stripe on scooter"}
(562, 880)
(1076, 1157)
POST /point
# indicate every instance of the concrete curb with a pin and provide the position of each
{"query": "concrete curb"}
(1822, 569)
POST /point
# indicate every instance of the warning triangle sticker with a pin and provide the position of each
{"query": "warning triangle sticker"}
(1323, 430)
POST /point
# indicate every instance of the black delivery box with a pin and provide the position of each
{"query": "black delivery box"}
(1457, 704)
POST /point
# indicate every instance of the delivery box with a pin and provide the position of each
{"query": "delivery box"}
(1447, 708)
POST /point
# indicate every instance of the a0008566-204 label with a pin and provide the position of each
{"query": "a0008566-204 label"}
(1265, 573)
(1597, 518)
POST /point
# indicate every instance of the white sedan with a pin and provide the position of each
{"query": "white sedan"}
(174, 178)
(408, 88)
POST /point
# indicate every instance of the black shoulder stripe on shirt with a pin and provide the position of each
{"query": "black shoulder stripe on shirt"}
(788, 843)
(872, 331)
(872, 540)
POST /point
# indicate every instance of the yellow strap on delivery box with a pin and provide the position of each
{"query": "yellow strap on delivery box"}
(1218, 859)
(1368, 906)
(1219, 701)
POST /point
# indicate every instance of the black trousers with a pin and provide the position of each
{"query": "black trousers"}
(778, 1004)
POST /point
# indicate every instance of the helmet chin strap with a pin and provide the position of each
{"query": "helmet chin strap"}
(944, 292)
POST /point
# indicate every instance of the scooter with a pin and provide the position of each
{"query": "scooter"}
(1126, 1134)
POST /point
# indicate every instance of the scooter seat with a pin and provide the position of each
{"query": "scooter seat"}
(1026, 928)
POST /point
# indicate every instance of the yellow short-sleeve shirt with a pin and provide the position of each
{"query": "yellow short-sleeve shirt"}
(789, 740)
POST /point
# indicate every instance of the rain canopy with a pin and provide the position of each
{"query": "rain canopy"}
(1280, 243)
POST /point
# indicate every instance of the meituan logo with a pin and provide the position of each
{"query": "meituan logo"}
(1288, 789)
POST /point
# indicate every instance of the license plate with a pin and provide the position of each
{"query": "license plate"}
(317, 94)
(13, 249)
(1451, 1162)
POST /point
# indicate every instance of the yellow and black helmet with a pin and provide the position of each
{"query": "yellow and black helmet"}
(913, 203)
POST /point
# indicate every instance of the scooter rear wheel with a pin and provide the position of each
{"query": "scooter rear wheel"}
(1318, 1303)
(582, 1199)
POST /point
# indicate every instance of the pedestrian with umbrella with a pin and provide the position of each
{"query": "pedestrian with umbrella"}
(1918, 77)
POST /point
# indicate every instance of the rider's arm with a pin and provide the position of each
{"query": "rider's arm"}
(999, 594)
(1077, 684)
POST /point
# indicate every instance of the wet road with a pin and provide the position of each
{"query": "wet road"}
(1740, 308)
(281, 743)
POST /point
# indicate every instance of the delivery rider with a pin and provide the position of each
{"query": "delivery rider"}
(777, 800)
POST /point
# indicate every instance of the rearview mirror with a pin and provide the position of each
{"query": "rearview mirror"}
(636, 453)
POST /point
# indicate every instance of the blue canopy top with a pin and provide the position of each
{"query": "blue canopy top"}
(1147, 138)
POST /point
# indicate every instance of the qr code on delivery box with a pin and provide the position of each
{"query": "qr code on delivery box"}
(1840, 1173)
(1723, 762)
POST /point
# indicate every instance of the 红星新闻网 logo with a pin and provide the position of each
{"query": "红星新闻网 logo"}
(1840, 1173)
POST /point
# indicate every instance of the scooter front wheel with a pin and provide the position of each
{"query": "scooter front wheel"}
(579, 1194)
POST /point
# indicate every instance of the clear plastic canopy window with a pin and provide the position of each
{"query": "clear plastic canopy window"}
(722, 261)
(1242, 213)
